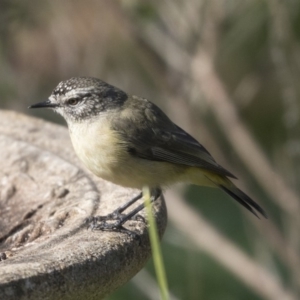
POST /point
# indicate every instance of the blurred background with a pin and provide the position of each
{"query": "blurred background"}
(228, 72)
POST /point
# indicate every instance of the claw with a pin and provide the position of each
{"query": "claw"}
(101, 222)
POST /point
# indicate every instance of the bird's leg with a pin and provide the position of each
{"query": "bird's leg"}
(117, 214)
(99, 223)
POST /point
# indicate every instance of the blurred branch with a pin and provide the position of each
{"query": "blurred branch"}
(181, 111)
(284, 54)
(240, 138)
(280, 39)
(226, 253)
(148, 286)
(250, 153)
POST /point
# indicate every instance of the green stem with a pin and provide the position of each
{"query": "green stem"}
(155, 246)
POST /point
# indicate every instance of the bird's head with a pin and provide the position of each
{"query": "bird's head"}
(82, 98)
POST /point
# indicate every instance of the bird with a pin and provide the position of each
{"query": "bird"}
(128, 140)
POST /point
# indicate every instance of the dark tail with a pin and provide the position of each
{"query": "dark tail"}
(243, 199)
(229, 188)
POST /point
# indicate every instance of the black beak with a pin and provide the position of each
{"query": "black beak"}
(44, 104)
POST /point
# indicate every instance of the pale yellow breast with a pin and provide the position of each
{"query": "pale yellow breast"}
(97, 146)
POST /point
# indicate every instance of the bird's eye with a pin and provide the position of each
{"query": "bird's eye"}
(72, 101)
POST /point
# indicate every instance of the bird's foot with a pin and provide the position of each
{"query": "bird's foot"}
(115, 220)
(115, 215)
(104, 223)
(139, 217)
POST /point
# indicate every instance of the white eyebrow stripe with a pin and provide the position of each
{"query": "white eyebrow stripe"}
(80, 91)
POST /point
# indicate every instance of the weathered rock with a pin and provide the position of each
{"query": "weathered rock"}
(45, 197)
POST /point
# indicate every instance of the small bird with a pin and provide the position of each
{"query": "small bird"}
(129, 141)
